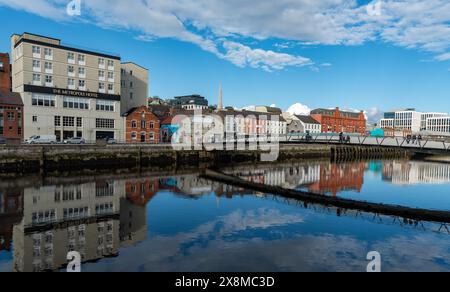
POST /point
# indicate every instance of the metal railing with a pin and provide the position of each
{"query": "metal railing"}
(425, 143)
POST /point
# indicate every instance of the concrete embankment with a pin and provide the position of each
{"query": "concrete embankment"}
(32, 159)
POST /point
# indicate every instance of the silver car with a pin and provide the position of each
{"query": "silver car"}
(76, 141)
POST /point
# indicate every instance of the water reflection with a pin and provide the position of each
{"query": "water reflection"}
(334, 178)
(103, 217)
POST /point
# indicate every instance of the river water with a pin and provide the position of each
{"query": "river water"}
(176, 221)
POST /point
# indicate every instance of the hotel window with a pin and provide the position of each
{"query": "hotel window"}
(48, 53)
(81, 72)
(104, 123)
(36, 51)
(48, 66)
(36, 78)
(101, 87)
(81, 83)
(71, 57)
(36, 65)
(110, 64)
(81, 59)
(110, 87)
(34, 119)
(79, 122)
(68, 121)
(43, 100)
(71, 83)
(48, 80)
(76, 103)
(101, 62)
(110, 75)
(101, 75)
(57, 121)
(71, 70)
(105, 105)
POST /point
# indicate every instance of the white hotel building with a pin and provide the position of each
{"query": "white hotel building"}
(67, 92)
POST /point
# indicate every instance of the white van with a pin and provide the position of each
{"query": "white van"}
(43, 139)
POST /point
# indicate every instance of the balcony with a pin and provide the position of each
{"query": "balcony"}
(49, 71)
(72, 87)
(37, 69)
(82, 63)
(102, 90)
(111, 80)
(49, 84)
(110, 91)
(37, 83)
(71, 61)
(48, 57)
(83, 88)
(102, 78)
(37, 55)
(101, 66)
(71, 74)
(111, 68)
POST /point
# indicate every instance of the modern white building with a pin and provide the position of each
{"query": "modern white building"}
(67, 92)
(426, 116)
(387, 123)
(409, 120)
(438, 125)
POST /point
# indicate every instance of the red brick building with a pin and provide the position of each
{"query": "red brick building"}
(11, 105)
(5, 72)
(142, 126)
(337, 121)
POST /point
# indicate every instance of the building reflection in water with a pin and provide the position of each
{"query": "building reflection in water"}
(11, 213)
(321, 177)
(98, 218)
(415, 172)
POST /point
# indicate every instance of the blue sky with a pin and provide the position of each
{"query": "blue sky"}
(324, 54)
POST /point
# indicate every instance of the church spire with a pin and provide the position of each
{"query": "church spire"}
(220, 105)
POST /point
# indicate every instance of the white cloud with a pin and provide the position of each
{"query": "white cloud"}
(244, 56)
(216, 25)
(299, 109)
(443, 57)
(373, 115)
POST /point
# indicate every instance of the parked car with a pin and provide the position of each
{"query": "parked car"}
(111, 141)
(75, 140)
(44, 139)
(2, 141)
